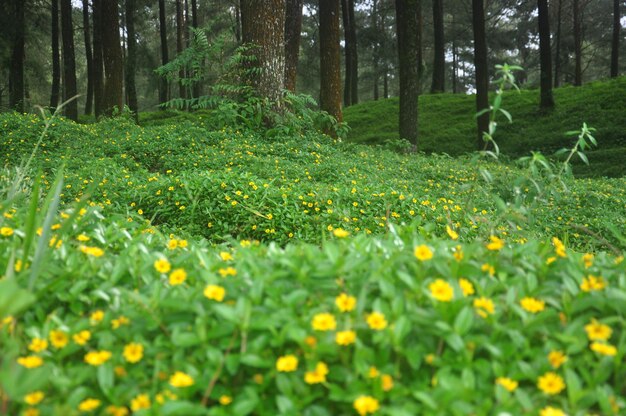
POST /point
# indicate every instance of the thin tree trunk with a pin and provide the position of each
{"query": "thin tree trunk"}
(237, 21)
(293, 27)
(69, 62)
(180, 42)
(545, 54)
(578, 75)
(131, 59)
(386, 84)
(98, 65)
(615, 41)
(112, 56)
(330, 58)
(56, 59)
(376, 51)
(197, 86)
(480, 64)
(455, 67)
(88, 58)
(420, 43)
(354, 66)
(163, 87)
(16, 70)
(407, 33)
(347, 85)
(557, 55)
(439, 64)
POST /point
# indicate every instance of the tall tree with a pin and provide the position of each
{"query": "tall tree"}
(164, 51)
(480, 69)
(88, 57)
(16, 71)
(350, 91)
(112, 57)
(578, 43)
(545, 52)
(98, 64)
(407, 34)
(263, 26)
(376, 49)
(131, 58)
(615, 41)
(69, 62)
(293, 27)
(330, 58)
(439, 64)
(56, 58)
(557, 55)
(180, 43)
(194, 14)
(354, 78)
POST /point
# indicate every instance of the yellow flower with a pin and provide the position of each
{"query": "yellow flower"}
(162, 265)
(96, 317)
(140, 402)
(226, 256)
(340, 233)
(318, 375)
(376, 321)
(451, 233)
(122, 320)
(34, 398)
(604, 349)
(466, 287)
(533, 305)
(324, 322)
(31, 361)
(177, 277)
(365, 404)
(551, 383)
(58, 338)
(345, 302)
(82, 337)
(557, 358)
(172, 244)
(82, 238)
(423, 253)
(495, 243)
(484, 306)
(597, 331)
(507, 383)
(6, 231)
(214, 292)
(119, 371)
(345, 337)
(488, 268)
(430, 359)
(592, 283)
(588, 260)
(89, 405)
(133, 352)
(225, 400)
(92, 251)
(180, 379)
(38, 345)
(387, 382)
(373, 372)
(441, 290)
(31, 411)
(228, 271)
(551, 411)
(287, 363)
(559, 247)
(458, 253)
(116, 411)
(97, 358)
(550, 260)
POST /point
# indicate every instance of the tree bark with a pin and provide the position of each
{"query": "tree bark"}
(180, 44)
(16, 70)
(56, 58)
(330, 58)
(237, 21)
(407, 33)
(545, 55)
(376, 51)
(420, 42)
(347, 85)
(354, 78)
(131, 58)
(88, 58)
(578, 73)
(439, 64)
(615, 41)
(112, 56)
(194, 14)
(164, 52)
(98, 65)
(481, 71)
(69, 62)
(557, 55)
(293, 28)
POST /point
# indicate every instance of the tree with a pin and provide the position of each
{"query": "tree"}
(98, 64)
(112, 57)
(88, 57)
(56, 58)
(69, 62)
(545, 52)
(164, 51)
(578, 43)
(350, 91)
(180, 44)
(330, 58)
(407, 35)
(439, 64)
(615, 41)
(293, 27)
(131, 58)
(480, 68)
(16, 74)
(557, 55)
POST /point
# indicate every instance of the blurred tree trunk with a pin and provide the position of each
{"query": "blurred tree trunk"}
(112, 57)
(56, 58)
(615, 42)
(131, 58)
(420, 42)
(293, 27)
(88, 57)
(237, 21)
(330, 58)
(439, 64)
(557, 55)
(376, 51)
(578, 44)
(354, 88)
(407, 33)
(480, 65)
(16, 70)
(347, 49)
(163, 87)
(197, 86)
(545, 55)
(98, 65)
(180, 44)
(69, 62)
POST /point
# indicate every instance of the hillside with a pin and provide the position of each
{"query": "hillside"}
(446, 124)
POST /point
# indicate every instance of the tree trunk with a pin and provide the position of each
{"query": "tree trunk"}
(420, 43)
(194, 14)
(578, 42)
(545, 55)
(407, 32)
(56, 58)
(131, 59)
(557, 55)
(197, 86)
(480, 64)
(16, 71)
(293, 27)
(164, 52)
(237, 21)
(88, 58)
(354, 58)
(375, 52)
(69, 63)
(347, 84)
(263, 25)
(439, 64)
(330, 58)
(187, 24)
(615, 42)
(98, 65)
(180, 42)
(112, 56)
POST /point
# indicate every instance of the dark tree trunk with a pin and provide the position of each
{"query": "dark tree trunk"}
(557, 55)
(420, 42)
(56, 58)
(98, 65)
(480, 64)
(354, 58)
(293, 27)
(386, 84)
(180, 44)
(455, 67)
(263, 25)
(615, 42)
(187, 24)
(545, 54)
(88, 58)
(16, 71)
(439, 64)
(112, 56)
(194, 14)
(131, 59)
(407, 32)
(69, 63)
(237, 21)
(376, 51)
(347, 82)
(578, 44)
(330, 58)
(164, 52)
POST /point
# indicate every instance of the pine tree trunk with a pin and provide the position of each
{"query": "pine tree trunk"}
(194, 14)
(578, 73)
(386, 84)
(131, 59)
(164, 52)
(439, 64)
(237, 21)
(407, 33)
(112, 57)
(293, 27)
(557, 55)
(69, 62)
(330, 58)
(56, 58)
(98, 65)
(16, 70)
(375, 52)
(88, 58)
(180, 44)
(480, 64)
(615, 41)
(347, 85)
(354, 57)
(420, 43)
(545, 55)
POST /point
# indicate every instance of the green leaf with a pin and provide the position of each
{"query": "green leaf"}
(426, 399)
(464, 320)
(177, 408)
(13, 299)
